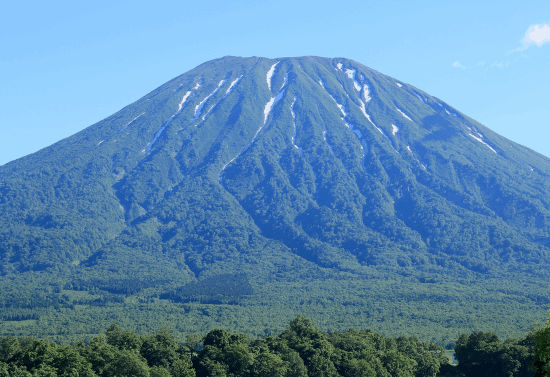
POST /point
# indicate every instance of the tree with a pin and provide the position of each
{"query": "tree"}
(123, 339)
(157, 371)
(268, 365)
(127, 363)
(160, 349)
(183, 367)
(542, 349)
(398, 365)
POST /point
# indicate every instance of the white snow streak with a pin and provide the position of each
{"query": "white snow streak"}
(232, 85)
(183, 100)
(402, 113)
(420, 98)
(395, 129)
(339, 65)
(368, 117)
(100, 142)
(269, 106)
(226, 94)
(363, 142)
(284, 82)
(294, 123)
(159, 132)
(267, 109)
(398, 84)
(447, 111)
(363, 109)
(366, 93)
(481, 141)
(417, 160)
(380, 130)
(341, 107)
(198, 108)
(196, 86)
(269, 74)
(531, 168)
(351, 75)
(130, 122)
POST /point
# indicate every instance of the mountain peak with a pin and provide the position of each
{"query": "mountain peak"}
(284, 167)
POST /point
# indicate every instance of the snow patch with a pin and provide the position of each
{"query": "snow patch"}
(285, 80)
(409, 148)
(339, 65)
(198, 108)
(159, 132)
(196, 86)
(402, 113)
(269, 74)
(232, 85)
(351, 75)
(294, 124)
(395, 129)
(100, 142)
(420, 98)
(123, 128)
(226, 94)
(341, 107)
(481, 141)
(366, 93)
(380, 130)
(447, 111)
(183, 100)
(270, 105)
(267, 109)
(398, 84)
(531, 168)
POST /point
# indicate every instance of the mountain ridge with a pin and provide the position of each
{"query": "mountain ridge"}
(287, 170)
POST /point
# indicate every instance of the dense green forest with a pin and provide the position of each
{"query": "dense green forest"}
(301, 350)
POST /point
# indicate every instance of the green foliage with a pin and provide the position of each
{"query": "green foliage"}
(541, 338)
(301, 350)
(482, 354)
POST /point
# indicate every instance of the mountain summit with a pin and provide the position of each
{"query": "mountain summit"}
(295, 185)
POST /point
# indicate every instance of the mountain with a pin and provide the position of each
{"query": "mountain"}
(249, 190)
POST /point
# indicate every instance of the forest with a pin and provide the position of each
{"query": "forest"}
(301, 350)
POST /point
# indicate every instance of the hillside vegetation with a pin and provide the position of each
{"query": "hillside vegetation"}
(250, 190)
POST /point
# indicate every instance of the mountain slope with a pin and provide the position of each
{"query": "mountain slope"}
(287, 170)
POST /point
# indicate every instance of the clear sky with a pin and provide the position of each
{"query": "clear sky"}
(65, 65)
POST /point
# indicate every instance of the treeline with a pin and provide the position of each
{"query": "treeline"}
(301, 350)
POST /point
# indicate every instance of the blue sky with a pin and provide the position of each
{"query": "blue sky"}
(67, 65)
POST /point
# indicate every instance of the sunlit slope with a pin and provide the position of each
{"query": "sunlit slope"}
(319, 184)
(323, 158)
